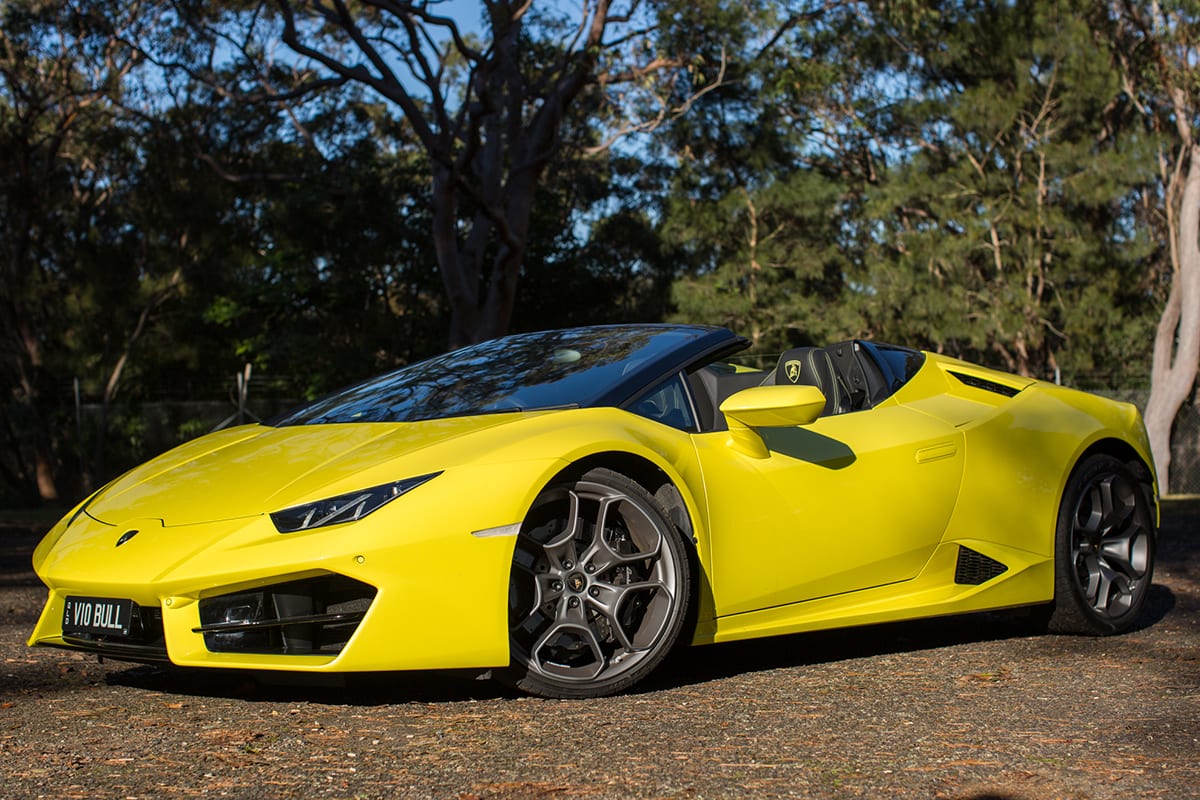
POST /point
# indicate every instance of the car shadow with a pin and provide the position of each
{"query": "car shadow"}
(720, 661)
(342, 689)
(1160, 601)
(685, 667)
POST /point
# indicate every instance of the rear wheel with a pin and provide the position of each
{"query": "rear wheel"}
(1104, 557)
(599, 589)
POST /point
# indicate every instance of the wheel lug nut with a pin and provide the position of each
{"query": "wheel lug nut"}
(590, 568)
(594, 592)
(556, 585)
(568, 564)
(573, 602)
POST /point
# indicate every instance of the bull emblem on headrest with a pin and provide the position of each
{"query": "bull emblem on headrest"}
(792, 370)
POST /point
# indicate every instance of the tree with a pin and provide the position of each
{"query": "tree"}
(60, 155)
(1006, 218)
(1157, 45)
(949, 178)
(769, 180)
(490, 112)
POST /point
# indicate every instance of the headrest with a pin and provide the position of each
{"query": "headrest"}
(810, 366)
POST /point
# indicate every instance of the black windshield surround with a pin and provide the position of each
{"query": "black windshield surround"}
(574, 368)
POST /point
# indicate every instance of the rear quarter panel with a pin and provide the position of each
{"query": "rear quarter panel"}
(1020, 453)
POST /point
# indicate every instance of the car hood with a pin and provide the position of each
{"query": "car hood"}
(256, 469)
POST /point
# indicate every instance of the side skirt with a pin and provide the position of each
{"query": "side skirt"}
(1026, 579)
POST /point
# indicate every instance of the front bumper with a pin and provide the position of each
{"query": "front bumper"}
(420, 584)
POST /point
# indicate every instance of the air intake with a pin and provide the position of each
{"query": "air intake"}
(975, 568)
(315, 616)
(983, 383)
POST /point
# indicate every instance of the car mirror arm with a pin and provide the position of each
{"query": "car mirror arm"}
(746, 440)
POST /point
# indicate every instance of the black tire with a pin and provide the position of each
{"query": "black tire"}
(1104, 549)
(600, 588)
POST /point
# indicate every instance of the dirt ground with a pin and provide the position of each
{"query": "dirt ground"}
(958, 708)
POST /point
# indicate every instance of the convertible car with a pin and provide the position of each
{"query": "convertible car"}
(563, 508)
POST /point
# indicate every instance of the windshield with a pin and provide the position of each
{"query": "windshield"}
(553, 369)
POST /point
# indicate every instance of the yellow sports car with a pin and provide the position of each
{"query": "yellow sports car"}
(563, 508)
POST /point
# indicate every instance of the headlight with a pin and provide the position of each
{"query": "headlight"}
(344, 507)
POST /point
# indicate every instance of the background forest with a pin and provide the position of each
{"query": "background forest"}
(324, 190)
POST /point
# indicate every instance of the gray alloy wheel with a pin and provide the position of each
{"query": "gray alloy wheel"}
(599, 590)
(1104, 557)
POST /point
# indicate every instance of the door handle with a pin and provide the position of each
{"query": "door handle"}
(937, 452)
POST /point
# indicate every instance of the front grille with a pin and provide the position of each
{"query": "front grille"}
(314, 616)
(975, 568)
(144, 642)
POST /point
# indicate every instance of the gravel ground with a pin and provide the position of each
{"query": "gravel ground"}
(960, 708)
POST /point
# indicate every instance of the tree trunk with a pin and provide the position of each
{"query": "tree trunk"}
(47, 488)
(1177, 341)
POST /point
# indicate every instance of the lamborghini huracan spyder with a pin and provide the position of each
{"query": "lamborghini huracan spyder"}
(564, 507)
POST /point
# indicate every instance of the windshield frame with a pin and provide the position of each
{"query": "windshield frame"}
(524, 372)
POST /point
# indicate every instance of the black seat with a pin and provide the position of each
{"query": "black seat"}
(812, 366)
(713, 387)
(848, 361)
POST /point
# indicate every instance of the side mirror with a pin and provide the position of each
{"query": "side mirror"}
(769, 407)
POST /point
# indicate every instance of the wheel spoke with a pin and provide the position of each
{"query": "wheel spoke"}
(600, 555)
(1113, 595)
(1127, 552)
(607, 601)
(566, 641)
(548, 588)
(1099, 585)
(592, 554)
(1119, 516)
(560, 550)
(1091, 516)
(1121, 597)
(1088, 570)
(1105, 492)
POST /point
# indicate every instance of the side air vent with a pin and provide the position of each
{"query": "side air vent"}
(985, 384)
(975, 568)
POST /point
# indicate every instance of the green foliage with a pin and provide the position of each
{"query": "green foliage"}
(971, 177)
(1008, 210)
(958, 180)
(762, 206)
(161, 233)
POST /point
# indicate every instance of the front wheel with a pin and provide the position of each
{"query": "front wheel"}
(1104, 550)
(599, 590)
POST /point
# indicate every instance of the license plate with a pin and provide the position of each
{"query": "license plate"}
(97, 615)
